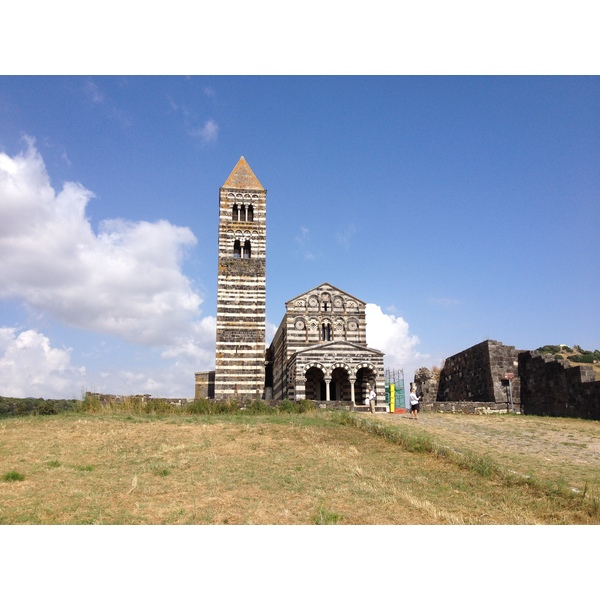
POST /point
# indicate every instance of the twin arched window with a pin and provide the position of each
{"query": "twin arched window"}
(242, 212)
(240, 251)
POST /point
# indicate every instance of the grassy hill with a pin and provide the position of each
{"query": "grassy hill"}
(313, 468)
(577, 356)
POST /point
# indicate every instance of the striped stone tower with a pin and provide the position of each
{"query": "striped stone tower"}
(241, 287)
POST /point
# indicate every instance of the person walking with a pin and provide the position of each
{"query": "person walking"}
(414, 402)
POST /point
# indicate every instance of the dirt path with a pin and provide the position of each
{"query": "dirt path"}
(545, 446)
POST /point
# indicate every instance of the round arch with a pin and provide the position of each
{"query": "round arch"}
(340, 386)
(366, 375)
(315, 382)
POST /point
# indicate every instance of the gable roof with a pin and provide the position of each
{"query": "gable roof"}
(329, 346)
(333, 288)
(242, 178)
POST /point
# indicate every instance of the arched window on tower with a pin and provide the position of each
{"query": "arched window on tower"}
(242, 212)
(250, 213)
(235, 215)
(237, 249)
(247, 251)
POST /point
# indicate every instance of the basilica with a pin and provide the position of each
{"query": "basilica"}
(319, 351)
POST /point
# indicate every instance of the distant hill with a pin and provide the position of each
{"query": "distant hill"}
(576, 355)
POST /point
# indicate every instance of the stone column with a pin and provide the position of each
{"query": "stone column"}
(352, 398)
(327, 390)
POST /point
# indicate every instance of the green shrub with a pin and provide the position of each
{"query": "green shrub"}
(582, 358)
(549, 349)
(259, 407)
(199, 407)
(13, 476)
(90, 404)
(203, 406)
(25, 407)
(158, 407)
(229, 406)
(325, 517)
(305, 406)
(46, 407)
(287, 406)
(162, 471)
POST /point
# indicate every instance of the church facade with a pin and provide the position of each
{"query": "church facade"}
(319, 351)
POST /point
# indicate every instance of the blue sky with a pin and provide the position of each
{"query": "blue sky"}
(460, 208)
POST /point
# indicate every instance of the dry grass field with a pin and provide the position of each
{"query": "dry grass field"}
(314, 468)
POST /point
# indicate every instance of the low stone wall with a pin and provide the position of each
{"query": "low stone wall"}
(344, 405)
(468, 408)
(142, 399)
(551, 387)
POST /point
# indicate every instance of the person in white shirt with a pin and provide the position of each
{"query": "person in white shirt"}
(372, 399)
(414, 403)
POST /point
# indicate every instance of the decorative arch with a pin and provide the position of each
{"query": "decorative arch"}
(326, 331)
(316, 365)
(341, 365)
(339, 329)
(313, 303)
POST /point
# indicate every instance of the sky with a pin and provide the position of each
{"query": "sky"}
(459, 208)
(444, 176)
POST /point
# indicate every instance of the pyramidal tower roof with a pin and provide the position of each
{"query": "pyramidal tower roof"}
(242, 177)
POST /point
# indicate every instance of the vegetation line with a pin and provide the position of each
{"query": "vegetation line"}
(482, 464)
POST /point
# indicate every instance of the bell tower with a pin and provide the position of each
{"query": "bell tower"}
(241, 287)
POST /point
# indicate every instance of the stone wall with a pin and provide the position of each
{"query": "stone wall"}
(427, 387)
(553, 388)
(205, 385)
(476, 380)
(478, 375)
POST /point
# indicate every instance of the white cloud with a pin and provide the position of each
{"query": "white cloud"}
(390, 334)
(345, 236)
(125, 281)
(270, 331)
(94, 92)
(29, 366)
(445, 301)
(208, 132)
(304, 244)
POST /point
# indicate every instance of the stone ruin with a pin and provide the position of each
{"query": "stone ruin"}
(491, 377)
(556, 388)
(482, 378)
